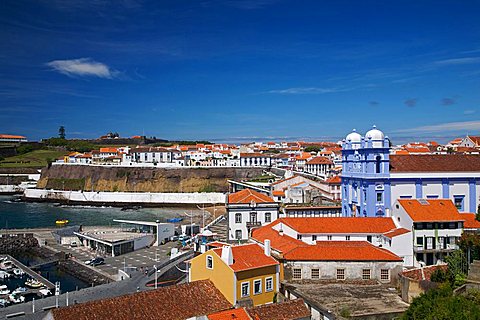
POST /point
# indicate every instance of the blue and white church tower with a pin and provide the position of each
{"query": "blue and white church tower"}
(365, 174)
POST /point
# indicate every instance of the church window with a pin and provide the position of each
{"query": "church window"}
(379, 197)
(378, 164)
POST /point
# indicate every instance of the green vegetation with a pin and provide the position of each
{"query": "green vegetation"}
(61, 132)
(313, 149)
(71, 145)
(441, 303)
(457, 268)
(66, 184)
(207, 188)
(470, 245)
(36, 158)
(262, 178)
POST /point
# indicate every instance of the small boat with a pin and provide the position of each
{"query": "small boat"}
(16, 298)
(4, 290)
(44, 292)
(61, 222)
(18, 272)
(175, 220)
(4, 274)
(19, 290)
(4, 303)
(32, 283)
(6, 265)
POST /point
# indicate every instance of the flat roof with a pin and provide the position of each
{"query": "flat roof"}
(110, 236)
(142, 223)
(369, 299)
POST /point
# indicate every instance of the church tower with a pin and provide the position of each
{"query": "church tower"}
(365, 174)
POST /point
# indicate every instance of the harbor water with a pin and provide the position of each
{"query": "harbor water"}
(19, 215)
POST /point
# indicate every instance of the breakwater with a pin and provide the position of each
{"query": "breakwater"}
(123, 198)
(14, 243)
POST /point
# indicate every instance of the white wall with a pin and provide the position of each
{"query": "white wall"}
(399, 189)
(142, 242)
(126, 197)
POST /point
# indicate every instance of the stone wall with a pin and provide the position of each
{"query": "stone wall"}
(13, 243)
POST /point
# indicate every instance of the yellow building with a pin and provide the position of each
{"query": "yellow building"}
(245, 274)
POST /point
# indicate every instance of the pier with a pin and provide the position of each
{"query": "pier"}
(31, 273)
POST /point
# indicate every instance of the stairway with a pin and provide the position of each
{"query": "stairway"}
(221, 229)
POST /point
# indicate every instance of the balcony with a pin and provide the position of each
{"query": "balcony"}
(251, 224)
(437, 248)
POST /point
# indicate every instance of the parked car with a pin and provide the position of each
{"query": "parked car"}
(95, 261)
(73, 244)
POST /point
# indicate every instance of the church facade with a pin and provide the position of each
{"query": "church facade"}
(372, 179)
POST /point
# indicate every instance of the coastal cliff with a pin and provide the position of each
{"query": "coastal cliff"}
(124, 179)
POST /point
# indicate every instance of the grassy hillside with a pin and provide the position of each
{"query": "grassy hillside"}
(36, 158)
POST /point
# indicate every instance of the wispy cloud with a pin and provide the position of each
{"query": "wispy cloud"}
(444, 127)
(448, 101)
(306, 90)
(411, 102)
(458, 61)
(83, 67)
(469, 112)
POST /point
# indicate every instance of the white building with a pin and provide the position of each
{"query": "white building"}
(151, 155)
(255, 159)
(248, 209)
(319, 166)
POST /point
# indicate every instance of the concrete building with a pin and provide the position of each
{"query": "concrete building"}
(255, 159)
(247, 209)
(9, 138)
(319, 166)
(246, 274)
(372, 179)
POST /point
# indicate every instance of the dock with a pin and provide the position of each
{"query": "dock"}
(31, 273)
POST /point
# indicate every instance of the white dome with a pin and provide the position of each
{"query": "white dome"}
(375, 134)
(354, 137)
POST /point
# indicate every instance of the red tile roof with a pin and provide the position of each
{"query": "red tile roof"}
(278, 193)
(341, 251)
(283, 180)
(423, 273)
(281, 243)
(232, 314)
(431, 210)
(248, 256)
(343, 225)
(289, 310)
(334, 180)
(435, 163)
(396, 232)
(108, 150)
(10, 136)
(470, 221)
(177, 302)
(475, 139)
(249, 195)
(320, 160)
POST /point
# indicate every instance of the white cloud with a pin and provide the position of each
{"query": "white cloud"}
(83, 67)
(469, 112)
(308, 90)
(458, 61)
(444, 127)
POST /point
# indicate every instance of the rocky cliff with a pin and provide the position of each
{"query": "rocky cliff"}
(96, 178)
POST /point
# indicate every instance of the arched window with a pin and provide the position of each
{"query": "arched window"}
(378, 164)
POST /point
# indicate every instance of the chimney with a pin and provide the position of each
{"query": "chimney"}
(267, 248)
(227, 255)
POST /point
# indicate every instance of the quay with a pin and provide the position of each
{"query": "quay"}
(31, 273)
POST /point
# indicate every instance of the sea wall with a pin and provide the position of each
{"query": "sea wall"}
(13, 243)
(135, 179)
(123, 198)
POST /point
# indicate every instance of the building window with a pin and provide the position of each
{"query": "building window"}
(253, 217)
(419, 241)
(299, 237)
(257, 286)
(458, 201)
(340, 274)
(329, 237)
(268, 284)
(297, 274)
(366, 273)
(209, 262)
(384, 275)
(238, 234)
(315, 273)
(245, 289)
(268, 217)
(369, 239)
(238, 218)
(347, 238)
(379, 197)
(314, 238)
(378, 164)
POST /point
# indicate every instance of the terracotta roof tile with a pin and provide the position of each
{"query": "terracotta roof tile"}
(343, 225)
(470, 221)
(11, 136)
(247, 257)
(320, 160)
(232, 314)
(435, 163)
(431, 210)
(334, 180)
(247, 196)
(396, 232)
(289, 310)
(281, 243)
(170, 303)
(423, 273)
(278, 193)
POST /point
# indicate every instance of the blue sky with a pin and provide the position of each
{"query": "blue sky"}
(240, 70)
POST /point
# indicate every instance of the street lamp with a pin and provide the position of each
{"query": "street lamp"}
(155, 267)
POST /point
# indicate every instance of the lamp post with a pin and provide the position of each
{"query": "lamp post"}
(155, 267)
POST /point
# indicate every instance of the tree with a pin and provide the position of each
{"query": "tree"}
(61, 132)
(313, 149)
(457, 267)
(477, 216)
